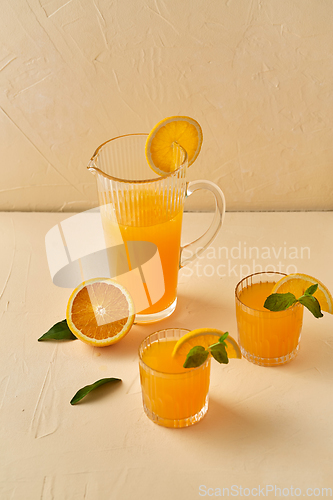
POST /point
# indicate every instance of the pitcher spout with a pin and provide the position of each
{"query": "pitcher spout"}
(91, 167)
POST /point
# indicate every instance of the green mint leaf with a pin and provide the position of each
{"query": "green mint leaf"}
(221, 340)
(88, 388)
(280, 301)
(223, 337)
(312, 304)
(196, 357)
(311, 290)
(218, 351)
(59, 331)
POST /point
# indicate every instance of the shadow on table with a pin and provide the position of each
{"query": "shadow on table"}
(315, 357)
(229, 425)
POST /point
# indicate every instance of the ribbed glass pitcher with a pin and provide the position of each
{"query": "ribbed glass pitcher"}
(142, 217)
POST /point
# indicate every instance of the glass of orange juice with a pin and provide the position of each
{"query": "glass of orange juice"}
(266, 338)
(173, 396)
(142, 214)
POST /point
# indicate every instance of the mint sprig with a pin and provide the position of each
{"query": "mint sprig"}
(196, 357)
(198, 354)
(282, 301)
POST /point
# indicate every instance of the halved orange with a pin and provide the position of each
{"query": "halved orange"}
(100, 312)
(297, 283)
(205, 337)
(176, 130)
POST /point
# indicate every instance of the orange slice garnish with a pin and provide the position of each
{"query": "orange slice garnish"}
(297, 283)
(205, 337)
(161, 154)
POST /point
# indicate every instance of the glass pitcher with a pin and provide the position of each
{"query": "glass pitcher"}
(142, 214)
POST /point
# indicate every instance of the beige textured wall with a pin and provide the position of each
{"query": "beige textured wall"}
(256, 74)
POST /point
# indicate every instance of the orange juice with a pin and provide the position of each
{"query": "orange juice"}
(266, 337)
(145, 209)
(173, 396)
(254, 296)
(155, 220)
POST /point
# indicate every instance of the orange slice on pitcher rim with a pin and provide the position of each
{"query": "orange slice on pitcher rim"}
(205, 337)
(297, 283)
(160, 151)
(100, 312)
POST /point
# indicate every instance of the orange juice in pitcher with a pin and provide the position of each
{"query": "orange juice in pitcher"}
(142, 212)
(161, 225)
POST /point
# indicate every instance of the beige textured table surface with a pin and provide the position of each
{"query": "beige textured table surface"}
(266, 428)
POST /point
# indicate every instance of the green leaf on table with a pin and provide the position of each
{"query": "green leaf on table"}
(81, 393)
(280, 301)
(196, 357)
(59, 331)
(312, 304)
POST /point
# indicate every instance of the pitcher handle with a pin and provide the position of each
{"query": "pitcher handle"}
(198, 246)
